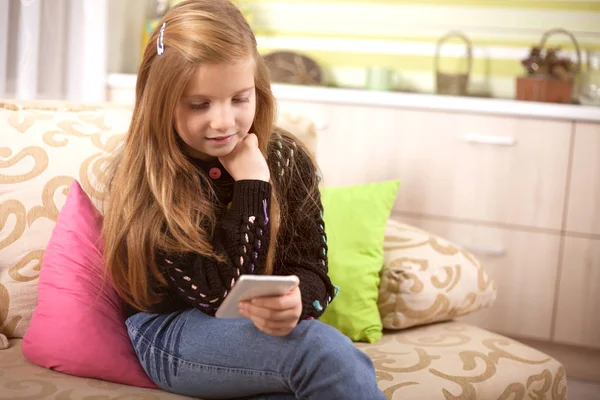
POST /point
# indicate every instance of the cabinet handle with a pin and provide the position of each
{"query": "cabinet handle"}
(486, 252)
(490, 139)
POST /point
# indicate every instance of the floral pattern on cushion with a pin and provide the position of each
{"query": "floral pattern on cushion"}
(42, 150)
(445, 361)
(427, 279)
(456, 361)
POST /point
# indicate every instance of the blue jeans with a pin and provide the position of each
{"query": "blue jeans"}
(191, 353)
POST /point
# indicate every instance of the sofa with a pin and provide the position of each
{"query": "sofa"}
(426, 352)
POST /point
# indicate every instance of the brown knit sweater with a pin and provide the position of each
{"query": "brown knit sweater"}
(242, 236)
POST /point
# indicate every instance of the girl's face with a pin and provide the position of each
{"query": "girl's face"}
(217, 108)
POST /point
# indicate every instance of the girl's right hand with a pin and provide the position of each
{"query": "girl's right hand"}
(276, 315)
(246, 161)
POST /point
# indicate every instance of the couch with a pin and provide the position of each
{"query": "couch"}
(44, 145)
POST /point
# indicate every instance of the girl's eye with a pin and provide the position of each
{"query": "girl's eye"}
(241, 100)
(199, 106)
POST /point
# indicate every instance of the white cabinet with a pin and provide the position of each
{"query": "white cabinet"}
(493, 169)
(578, 314)
(485, 168)
(511, 189)
(584, 195)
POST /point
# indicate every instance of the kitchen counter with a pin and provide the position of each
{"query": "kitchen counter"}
(125, 83)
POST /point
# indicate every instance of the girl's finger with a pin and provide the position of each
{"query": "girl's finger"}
(272, 315)
(272, 328)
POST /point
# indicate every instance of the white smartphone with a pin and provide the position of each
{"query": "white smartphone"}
(251, 286)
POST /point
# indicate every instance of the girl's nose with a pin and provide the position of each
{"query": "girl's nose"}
(222, 119)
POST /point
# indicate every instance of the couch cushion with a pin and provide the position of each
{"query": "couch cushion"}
(20, 379)
(427, 279)
(77, 327)
(355, 218)
(442, 361)
(452, 360)
(42, 149)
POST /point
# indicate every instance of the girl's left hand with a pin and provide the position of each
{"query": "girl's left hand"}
(275, 316)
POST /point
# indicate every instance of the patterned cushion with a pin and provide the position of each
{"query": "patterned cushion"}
(428, 279)
(43, 147)
(441, 361)
(453, 360)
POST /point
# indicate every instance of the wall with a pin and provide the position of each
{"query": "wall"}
(346, 37)
(126, 22)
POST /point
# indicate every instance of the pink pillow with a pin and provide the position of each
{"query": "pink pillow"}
(78, 326)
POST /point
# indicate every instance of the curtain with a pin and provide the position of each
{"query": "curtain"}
(53, 49)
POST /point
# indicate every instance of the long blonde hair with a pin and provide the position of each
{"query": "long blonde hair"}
(156, 199)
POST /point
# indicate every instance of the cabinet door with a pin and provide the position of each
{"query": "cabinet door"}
(578, 312)
(473, 167)
(584, 195)
(524, 266)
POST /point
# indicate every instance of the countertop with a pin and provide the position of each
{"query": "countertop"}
(477, 105)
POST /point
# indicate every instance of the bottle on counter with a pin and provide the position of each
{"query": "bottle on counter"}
(590, 80)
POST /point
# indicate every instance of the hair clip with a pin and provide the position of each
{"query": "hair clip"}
(160, 42)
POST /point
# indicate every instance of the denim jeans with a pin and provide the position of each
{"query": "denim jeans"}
(191, 353)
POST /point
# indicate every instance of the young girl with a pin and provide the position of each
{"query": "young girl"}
(204, 190)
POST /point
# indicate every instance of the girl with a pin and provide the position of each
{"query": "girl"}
(206, 189)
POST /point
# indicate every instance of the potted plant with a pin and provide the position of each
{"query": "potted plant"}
(550, 77)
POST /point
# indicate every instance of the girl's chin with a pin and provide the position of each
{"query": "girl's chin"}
(216, 151)
(209, 149)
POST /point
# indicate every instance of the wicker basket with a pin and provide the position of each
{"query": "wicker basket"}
(453, 84)
(548, 88)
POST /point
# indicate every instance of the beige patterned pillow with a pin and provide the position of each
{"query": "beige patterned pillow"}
(43, 147)
(427, 279)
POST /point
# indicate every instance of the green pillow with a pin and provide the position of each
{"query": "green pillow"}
(355, 219)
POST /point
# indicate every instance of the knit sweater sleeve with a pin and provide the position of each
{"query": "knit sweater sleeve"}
(302, 247)
(241, 237)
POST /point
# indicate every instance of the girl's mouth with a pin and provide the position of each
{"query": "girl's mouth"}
(220, 139)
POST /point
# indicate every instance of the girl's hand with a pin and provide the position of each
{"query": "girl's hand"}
(276, 316)
(246, 161)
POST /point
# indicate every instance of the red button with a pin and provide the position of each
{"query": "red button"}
(214, 173)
